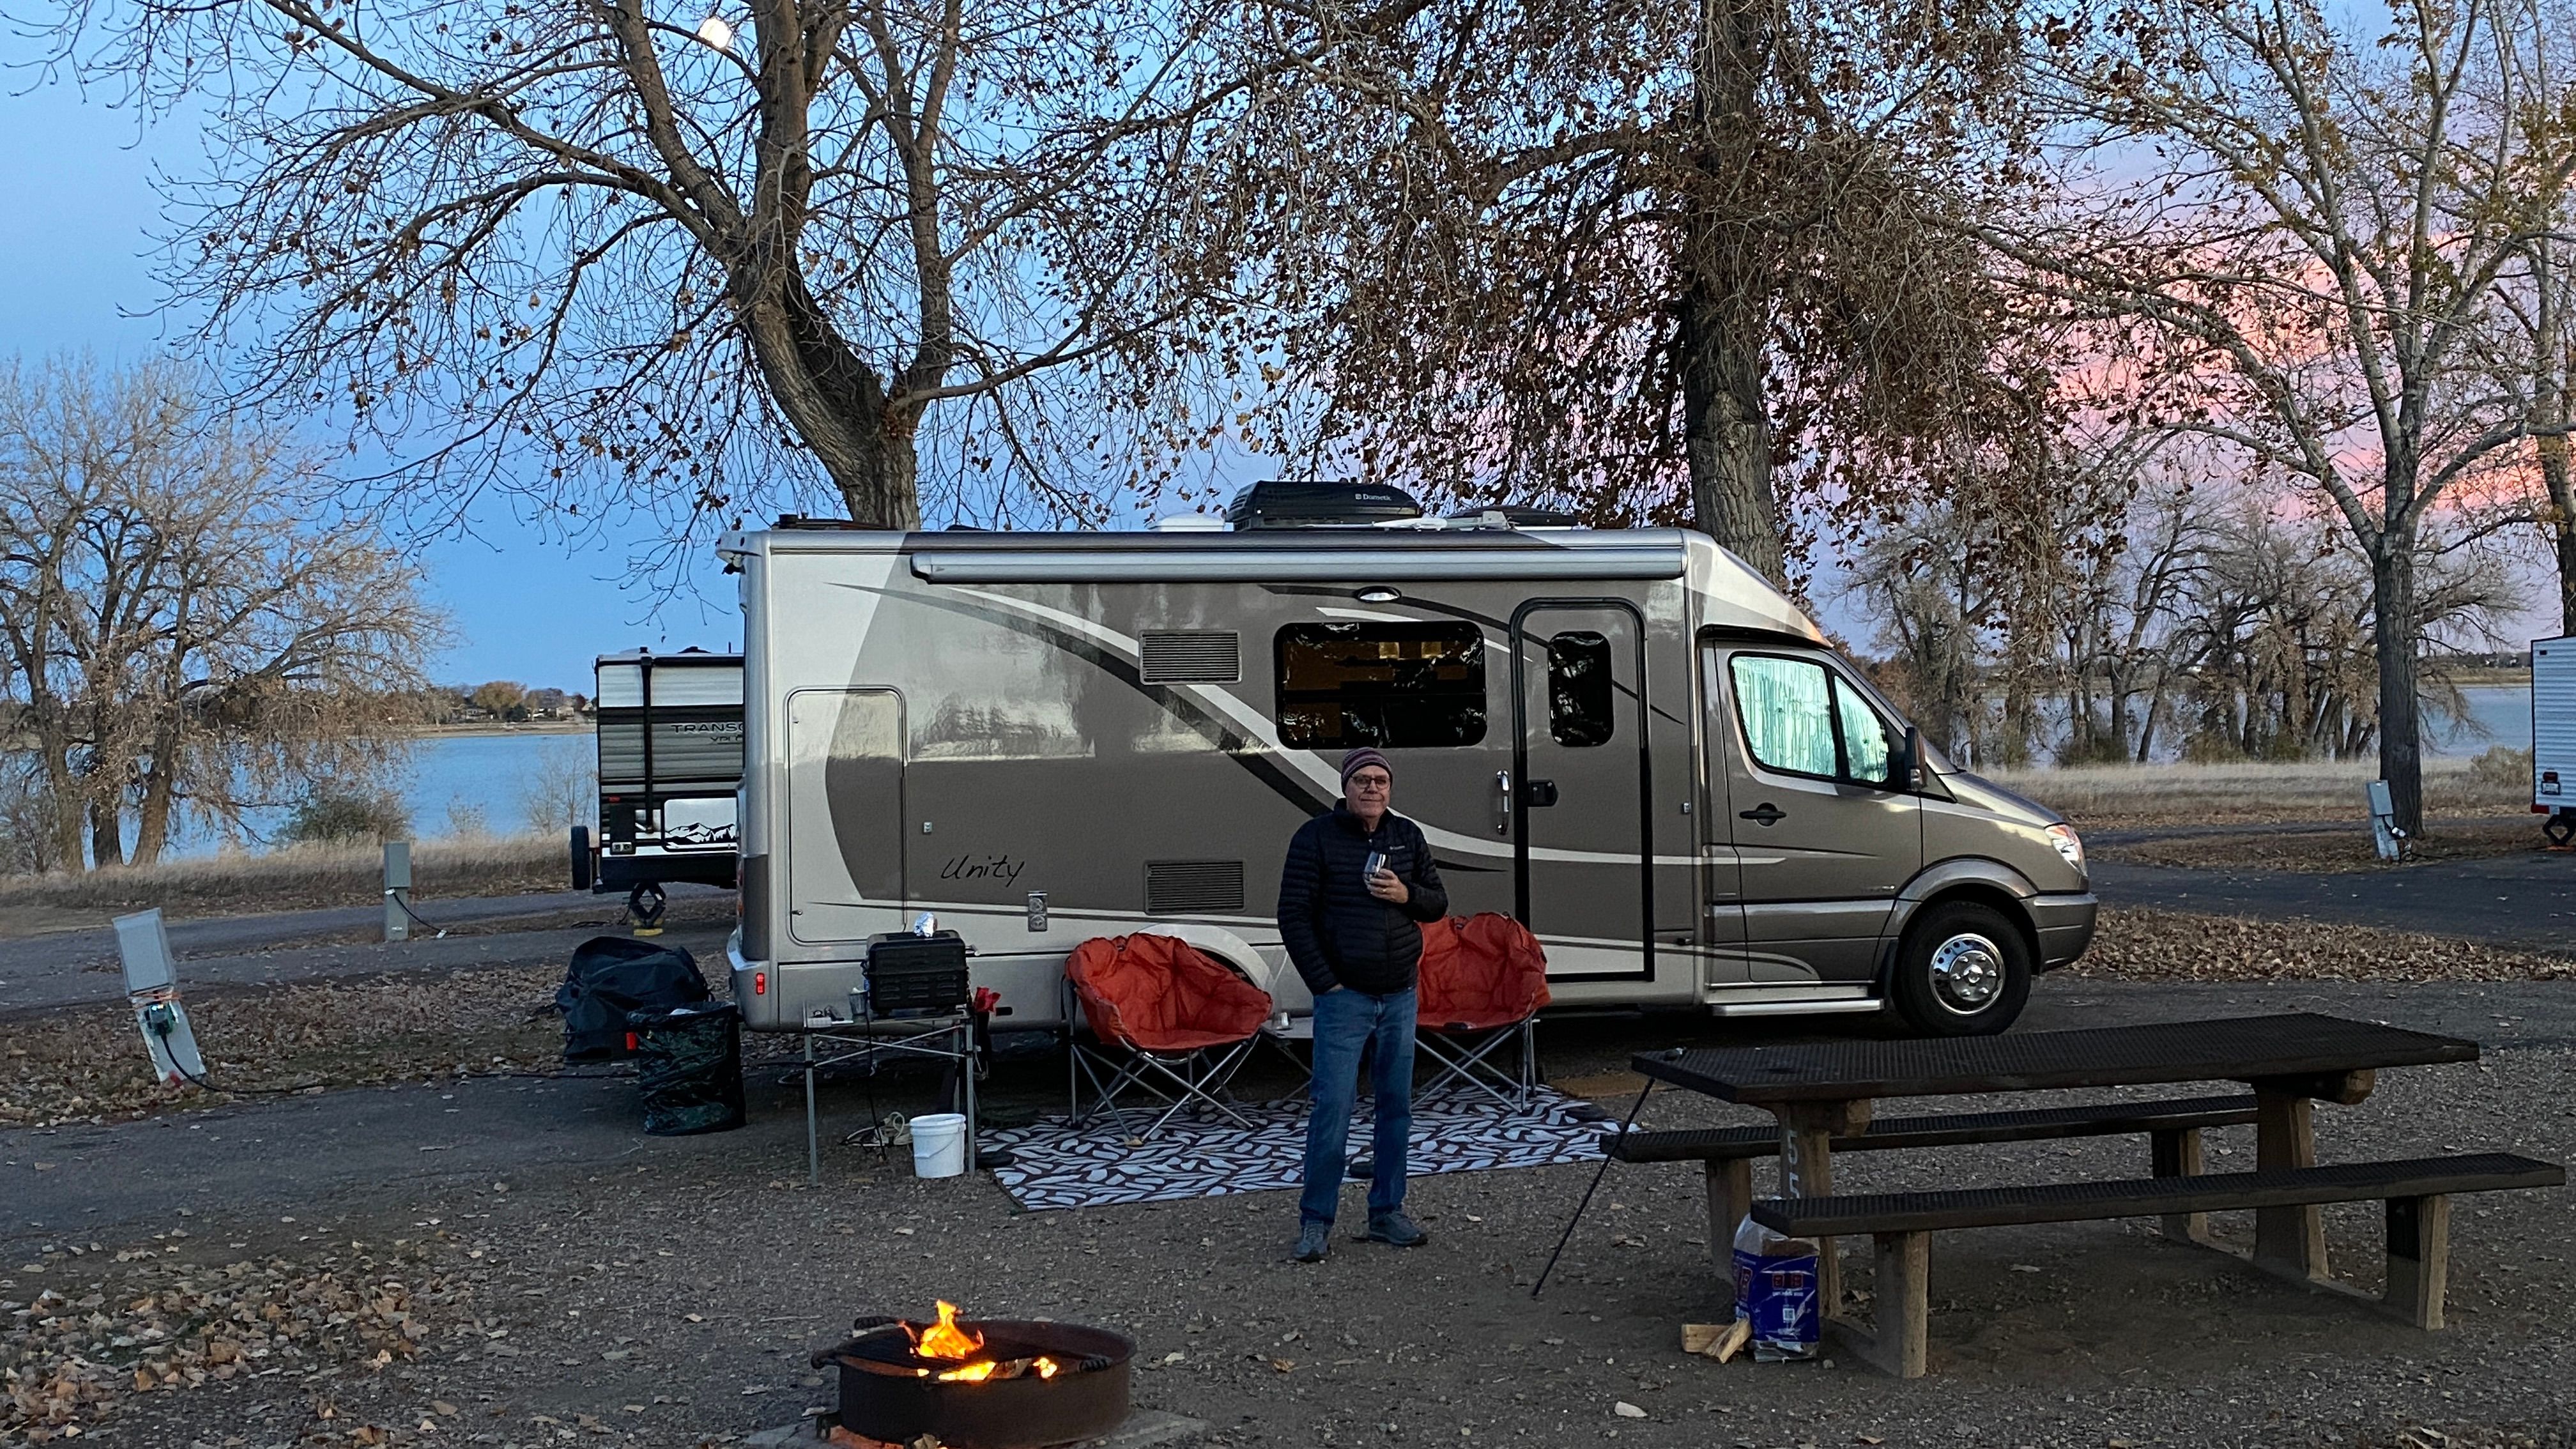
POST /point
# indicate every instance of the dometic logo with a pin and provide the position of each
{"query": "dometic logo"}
(982, 867)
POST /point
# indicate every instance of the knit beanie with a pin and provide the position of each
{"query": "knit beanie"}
(1360, 759)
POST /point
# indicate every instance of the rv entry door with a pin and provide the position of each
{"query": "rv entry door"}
(1576, 800)
(844, 814)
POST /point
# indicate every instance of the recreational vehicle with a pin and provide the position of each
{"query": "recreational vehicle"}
(1627, 739)
(670, 765)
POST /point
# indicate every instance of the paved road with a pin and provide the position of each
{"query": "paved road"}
(2527, 901)
(78, 966)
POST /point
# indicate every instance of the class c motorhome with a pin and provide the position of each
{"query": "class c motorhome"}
(1627, 739)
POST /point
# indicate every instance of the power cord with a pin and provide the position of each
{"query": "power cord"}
(426, 925)
(161, 1020)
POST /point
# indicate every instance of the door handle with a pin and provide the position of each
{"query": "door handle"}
(1502, 802)
(1765, 813)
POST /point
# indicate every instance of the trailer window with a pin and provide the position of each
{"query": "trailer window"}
(1395, 686)
(1578, 689)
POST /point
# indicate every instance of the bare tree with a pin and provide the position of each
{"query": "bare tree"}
(1636, 256)
(2307, 225)
(187, 623)
(688, 269)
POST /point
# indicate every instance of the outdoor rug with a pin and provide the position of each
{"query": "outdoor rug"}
(1058, 1165)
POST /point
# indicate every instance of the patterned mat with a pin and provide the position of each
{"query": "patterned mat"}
(1058, 1165)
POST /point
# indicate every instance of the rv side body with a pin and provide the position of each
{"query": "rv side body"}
(1043, 738)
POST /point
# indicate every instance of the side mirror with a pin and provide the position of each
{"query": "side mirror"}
(1908, 771)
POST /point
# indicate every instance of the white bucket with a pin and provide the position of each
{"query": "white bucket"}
(939, 1145)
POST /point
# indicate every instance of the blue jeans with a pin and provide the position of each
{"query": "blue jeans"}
(1345, 1022)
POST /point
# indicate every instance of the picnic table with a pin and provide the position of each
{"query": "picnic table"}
(1823, 1095)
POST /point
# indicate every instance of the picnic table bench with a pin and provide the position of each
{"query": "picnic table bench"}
(1822, 1096)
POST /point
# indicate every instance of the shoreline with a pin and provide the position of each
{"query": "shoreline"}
(492, 731)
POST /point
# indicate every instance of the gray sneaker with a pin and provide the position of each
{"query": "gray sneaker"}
(1397, 1230)
(1313, 1241)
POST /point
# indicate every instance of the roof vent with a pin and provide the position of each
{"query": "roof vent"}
(1190, 523)
(1311, 503)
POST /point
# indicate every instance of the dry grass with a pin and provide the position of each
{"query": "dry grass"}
(2153, 945)
(298, 878)
(2345, 847)
(2109, 796)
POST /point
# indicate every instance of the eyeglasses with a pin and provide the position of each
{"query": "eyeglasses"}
(1374, 784)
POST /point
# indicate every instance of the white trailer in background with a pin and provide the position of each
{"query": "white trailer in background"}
(670, 761)
(2553, 736)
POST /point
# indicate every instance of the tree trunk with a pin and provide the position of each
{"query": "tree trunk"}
(2392, 600)
(1724, 312)
(838, 406)
(2554, 473)
(106, 834)
(152, 824)
(63, 794)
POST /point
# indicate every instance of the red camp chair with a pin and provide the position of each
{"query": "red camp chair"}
(1483, 980)
(1171, 1021)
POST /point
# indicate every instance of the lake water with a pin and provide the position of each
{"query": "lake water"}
(454, 779)
(2499, 714)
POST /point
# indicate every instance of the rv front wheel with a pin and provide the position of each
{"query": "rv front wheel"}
(1964, 970)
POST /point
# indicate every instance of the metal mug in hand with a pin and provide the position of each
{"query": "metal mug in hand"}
(1376, 863)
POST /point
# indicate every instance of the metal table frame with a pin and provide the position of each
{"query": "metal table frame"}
(946, 1038)
(2292, 1061)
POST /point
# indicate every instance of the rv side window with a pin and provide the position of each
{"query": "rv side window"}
(1578, 688)
(1788, 721)
(1395, 686)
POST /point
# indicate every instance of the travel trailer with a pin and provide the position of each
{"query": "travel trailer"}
(670, 765)
(1626, 739)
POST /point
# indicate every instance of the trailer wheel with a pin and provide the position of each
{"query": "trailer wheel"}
(644, 907)
(581, 862)
(2560, 828)
(1963, 970)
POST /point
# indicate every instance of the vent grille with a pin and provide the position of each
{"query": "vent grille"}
(1193, 887)
(1192, 656)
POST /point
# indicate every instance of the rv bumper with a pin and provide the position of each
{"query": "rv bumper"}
(2064, 925)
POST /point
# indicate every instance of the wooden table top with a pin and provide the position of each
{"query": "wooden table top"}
(2230, 1049)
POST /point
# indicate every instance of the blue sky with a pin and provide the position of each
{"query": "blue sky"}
(75, 256)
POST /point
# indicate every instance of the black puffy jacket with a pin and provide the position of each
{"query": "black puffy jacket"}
(1336, 932)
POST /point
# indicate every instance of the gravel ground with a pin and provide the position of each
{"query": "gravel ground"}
(602, 1287)
(2143, 944)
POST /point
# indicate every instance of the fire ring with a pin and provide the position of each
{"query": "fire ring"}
(998, 1383)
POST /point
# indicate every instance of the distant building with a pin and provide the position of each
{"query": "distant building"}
(548, 703)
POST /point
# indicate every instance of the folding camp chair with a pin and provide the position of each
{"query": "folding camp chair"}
(1171, 1022)
(1483, 980)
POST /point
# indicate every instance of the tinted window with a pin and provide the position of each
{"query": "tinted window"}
(1865, 746)
(1394, 686)
(1578, 689)
(1784, 706)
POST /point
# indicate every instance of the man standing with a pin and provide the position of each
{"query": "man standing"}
(1354, 933)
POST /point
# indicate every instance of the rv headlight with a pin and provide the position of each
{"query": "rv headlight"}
(2064, 838)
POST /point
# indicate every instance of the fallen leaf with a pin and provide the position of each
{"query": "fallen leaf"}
(1283, 1364)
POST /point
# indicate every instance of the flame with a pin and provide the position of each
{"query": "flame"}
(945, 1339)
(1045, 1368)
(973, 1373)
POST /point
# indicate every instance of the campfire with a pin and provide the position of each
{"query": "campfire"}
(979, 1384)
(945, 1340)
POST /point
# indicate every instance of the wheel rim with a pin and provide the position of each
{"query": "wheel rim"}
(1967, 973)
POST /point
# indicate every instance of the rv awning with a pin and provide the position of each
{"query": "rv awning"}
(1226, 561)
